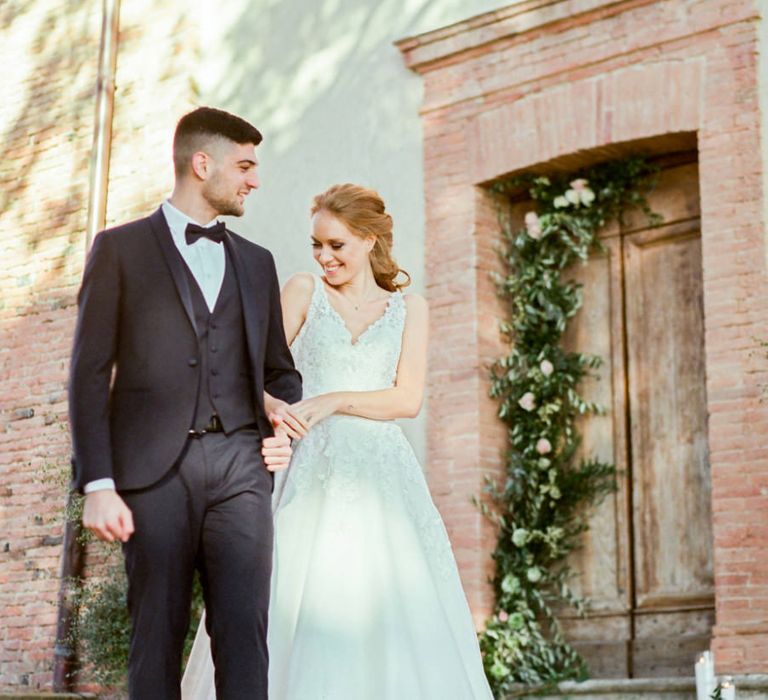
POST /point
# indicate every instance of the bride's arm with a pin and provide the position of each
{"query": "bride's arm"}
(295, 298)
(401, 401)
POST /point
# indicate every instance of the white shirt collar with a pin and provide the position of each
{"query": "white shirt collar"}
(178, 220)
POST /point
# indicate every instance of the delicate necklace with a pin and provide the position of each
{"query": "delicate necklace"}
(356, 306)
(360, 302)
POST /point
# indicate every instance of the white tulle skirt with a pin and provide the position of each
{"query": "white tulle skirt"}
(366, 598)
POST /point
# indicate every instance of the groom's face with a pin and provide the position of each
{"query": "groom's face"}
(232, 174)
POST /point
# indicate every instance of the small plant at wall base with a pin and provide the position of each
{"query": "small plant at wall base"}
(103, 627)
(541, 508)
(100, 630)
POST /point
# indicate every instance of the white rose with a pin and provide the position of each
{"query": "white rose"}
(572, 196)
(560, 202)
(533, 574)
(520, 537)
(546, 368)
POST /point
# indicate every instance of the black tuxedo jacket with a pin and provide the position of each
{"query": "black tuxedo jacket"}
(135, 367)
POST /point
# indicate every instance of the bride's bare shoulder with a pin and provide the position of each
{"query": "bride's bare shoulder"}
(300, 282)
(416, 303)
(297, 291)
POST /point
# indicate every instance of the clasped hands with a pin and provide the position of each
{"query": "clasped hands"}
(296, 420)
(293, 422)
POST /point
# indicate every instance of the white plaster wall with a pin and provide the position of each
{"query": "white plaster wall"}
(328, 89)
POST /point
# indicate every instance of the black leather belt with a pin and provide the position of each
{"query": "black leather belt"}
(214, 426)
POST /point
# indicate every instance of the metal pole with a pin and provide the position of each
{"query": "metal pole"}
(73, 554)
(102, 135)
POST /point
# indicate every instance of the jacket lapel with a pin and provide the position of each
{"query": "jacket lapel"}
(175, 263)
(246, 285)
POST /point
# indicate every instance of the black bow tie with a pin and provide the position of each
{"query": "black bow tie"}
(214, 233)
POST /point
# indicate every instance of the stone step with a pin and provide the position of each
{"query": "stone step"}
(751, 687)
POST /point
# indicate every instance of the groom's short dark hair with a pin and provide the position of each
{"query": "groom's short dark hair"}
(197, 128)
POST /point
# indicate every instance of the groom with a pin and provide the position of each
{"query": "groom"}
(179, 333)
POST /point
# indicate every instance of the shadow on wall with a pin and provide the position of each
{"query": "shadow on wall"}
(293, 67)
(53, 111)
(335, 102)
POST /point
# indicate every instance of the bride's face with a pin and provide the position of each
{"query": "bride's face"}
(342, 254)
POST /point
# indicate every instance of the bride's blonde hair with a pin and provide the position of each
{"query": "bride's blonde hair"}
(361, 210)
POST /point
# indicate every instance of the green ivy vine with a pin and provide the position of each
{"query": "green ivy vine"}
(542, 506)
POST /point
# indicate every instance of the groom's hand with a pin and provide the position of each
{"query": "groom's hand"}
(277, 450)
(106, 516)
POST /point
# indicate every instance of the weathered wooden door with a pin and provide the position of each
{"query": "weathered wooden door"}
(646, 563)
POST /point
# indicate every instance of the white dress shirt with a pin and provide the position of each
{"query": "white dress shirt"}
(207, 262)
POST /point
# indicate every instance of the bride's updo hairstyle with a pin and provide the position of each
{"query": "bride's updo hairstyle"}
(362, 211)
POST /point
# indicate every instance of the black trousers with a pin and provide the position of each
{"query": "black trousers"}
(211, 512)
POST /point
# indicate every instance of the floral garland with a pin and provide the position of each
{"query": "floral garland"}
(541, 509)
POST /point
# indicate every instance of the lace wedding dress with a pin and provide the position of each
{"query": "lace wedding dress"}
(366, 598)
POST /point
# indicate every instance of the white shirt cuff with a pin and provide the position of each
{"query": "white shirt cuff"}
(99, 485)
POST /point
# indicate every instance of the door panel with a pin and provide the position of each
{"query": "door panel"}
(646, 564)
(602, 564)
(667, 401)
(671, 516)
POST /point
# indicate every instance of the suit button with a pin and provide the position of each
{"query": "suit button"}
(192, 362)
(214, 372)
(216, 395)
(214, 326)
(214, 349)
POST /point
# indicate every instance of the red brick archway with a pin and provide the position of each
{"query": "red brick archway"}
(569, 82)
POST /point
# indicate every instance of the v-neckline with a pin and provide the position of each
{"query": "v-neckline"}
(352, 340)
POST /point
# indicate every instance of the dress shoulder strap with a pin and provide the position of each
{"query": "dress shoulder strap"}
(315, 304)
(317, 295)
(399, 309)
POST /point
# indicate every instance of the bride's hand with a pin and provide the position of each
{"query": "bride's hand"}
(281, 415)
(310, 412)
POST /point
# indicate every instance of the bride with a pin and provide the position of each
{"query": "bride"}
(366, 598)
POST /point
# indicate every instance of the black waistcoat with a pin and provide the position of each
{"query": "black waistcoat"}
(225, 386)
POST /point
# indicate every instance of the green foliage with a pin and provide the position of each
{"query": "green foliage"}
(541, 508)
(103, 627)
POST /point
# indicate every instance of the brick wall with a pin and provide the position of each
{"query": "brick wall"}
(50, 50)
(538, 81)
(49, 53)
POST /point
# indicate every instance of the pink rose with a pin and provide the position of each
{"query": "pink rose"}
(543, 446)
(580, 193)
(533, 225)
(503, 616)
(527, 401)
